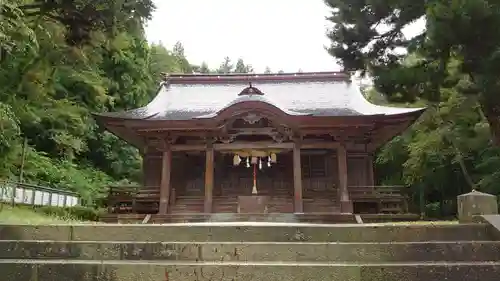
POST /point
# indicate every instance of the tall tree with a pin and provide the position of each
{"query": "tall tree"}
(267, 70)
(178, 53)
(240, 66)
(367, 33)
(82, 17)
(53, 75)
(52, 82)
(163, 60)
(226, 66)
(204, 68)
(249, 68)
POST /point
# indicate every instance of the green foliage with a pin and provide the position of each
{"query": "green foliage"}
(241, 67)
(368, 36)
(60, 61)
(77, 213)
(447, 151)
(226, 66)
(453, 65)
(82, 17)
(9, 138)
(71, 59)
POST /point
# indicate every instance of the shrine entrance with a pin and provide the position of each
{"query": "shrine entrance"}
(257, 178)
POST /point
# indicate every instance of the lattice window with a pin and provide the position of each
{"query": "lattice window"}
(314, 166)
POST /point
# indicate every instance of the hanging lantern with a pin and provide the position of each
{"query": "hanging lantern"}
(269, 161)
(260, 164)
(254, 160)
(236, 160)
(248, 162)
(273, 158)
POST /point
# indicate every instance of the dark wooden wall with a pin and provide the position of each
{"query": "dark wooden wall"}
(319, 174)
(151, 168)
(357, 171)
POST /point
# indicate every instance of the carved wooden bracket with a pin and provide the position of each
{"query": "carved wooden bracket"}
(210, 140)
(252, 118)
(170, 139)
(226, 138)
(279, 138)
(161, 142)
(272, 128)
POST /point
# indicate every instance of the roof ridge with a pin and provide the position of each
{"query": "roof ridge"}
(256, 77)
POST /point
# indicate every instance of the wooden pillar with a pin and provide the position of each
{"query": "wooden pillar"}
(145, 167)
(166, 168)
(209, 179)
(345, 202)
(297, 179)
(371, 177)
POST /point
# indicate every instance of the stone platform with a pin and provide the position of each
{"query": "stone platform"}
(329, 218)
(248, 252)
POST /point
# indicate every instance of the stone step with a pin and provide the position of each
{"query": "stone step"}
(250, 231)
(188, 203)
(273, 215)
(218, 208)
(186, 209)
(460, 251)
(88, 270)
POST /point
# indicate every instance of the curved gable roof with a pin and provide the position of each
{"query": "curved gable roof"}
(184, 97)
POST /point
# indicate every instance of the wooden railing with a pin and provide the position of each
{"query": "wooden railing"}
(134, 199)
(379, 199)
(366, 199)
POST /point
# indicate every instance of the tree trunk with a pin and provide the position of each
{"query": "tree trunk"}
(491, 111)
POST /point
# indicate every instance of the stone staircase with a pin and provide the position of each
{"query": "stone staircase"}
(321, 205)
(229, 204)
(248, 252)
(280, 204)
(187, 205)
(225, 204)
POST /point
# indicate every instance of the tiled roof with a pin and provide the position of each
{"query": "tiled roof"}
(187, 98)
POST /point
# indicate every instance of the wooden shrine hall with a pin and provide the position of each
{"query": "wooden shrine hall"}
(267, 143)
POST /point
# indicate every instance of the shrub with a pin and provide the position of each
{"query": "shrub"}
(75, 213)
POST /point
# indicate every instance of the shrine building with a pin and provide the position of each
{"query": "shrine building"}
(258, 143)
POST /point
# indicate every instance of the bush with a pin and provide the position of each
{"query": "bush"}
(74, 213)
(437, 211)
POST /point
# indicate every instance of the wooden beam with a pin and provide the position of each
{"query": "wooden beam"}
(165, 180)
(253, 145)
(232, 146)
(189, 147)
(345, 202)
(209, 179)
(320, 145)
(297, 179)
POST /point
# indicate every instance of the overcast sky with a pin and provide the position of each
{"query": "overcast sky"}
(281, 34)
